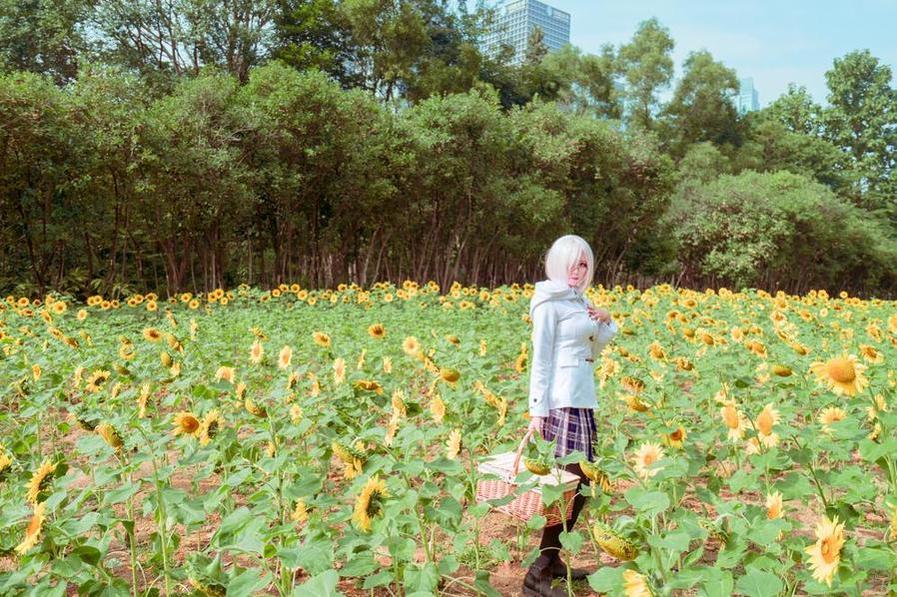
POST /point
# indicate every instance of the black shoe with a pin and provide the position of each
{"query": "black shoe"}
(559, 570)
(537, 582)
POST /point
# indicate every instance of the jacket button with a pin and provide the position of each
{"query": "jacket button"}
(591, 338)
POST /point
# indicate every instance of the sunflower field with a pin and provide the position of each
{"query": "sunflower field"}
(325, 442)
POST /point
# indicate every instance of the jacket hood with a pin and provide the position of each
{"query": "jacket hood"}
(551, 290)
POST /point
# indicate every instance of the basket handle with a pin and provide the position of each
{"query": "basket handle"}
(516, 468)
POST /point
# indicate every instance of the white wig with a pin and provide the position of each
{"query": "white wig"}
(564, 253)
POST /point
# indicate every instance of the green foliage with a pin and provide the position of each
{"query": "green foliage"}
(758, 229)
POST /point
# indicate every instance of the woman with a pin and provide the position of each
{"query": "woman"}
(568, 334)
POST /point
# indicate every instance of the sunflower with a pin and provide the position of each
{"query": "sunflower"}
(635, 584)
(825, 554)
(300, 512)
(453, 446)
(520, 362)
(36, 372)
(369, 385)
(648, 454)
(321, 339)
(773, 505)
(256, 353)
(32, 533)
(110, 435)
(40, 481)
(830, 415)
(449, 375)
(225, 373)
(635, 403)
(152, 334)
(870, 355)
(768, 417)
(377, 330)
(676, 438)
(632, 384)
(5, 463)
(209, 427)
(285, 356)
(387, 364)
(398, 404)
(843, 375)
(339, 370)
(734, 420)
(437, 408)
(253, 408)
(411, 346)
(781, 370)
(96, 380)
(368, 502)
(186, 423)
(81, 315)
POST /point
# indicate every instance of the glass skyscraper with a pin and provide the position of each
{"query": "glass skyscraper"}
(747, 99)
(516, 19)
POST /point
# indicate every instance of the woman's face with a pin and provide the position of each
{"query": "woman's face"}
(577, 272)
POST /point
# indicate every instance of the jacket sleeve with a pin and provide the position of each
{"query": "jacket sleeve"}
(544, 327)
(603, 336)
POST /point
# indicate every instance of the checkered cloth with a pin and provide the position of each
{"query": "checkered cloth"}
(573, 429)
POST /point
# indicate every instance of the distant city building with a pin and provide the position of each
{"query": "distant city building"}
(516, 19)
(747, 99)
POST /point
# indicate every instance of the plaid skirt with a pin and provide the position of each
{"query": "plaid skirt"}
(573, 429)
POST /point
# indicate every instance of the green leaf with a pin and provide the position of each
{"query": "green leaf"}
(321, 585)
(717, 583)
(572, 541)
(647, 502)
(607, 579)
(759, 583)
(247, 583)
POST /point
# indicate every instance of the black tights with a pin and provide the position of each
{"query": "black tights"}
(550, 545)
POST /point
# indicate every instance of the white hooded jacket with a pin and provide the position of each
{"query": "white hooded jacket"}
(563, 337)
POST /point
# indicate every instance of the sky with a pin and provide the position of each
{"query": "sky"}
(774, 41)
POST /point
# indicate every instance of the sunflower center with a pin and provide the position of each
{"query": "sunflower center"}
(829, 554)
(676, 435)
(764, 422)
(649, 458)
(731, 417)
(841, 370)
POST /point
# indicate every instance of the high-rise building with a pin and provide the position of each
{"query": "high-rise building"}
(515, 21)
(747, 99)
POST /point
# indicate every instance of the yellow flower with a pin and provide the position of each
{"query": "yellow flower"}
(286, 355)
(152, 334)
(781, 370)
(768, 417)
(40, 481)
(675, 439)
(225, 373)
(360, 364)
(449, 375)
(411, 346)
(648, 453)
(773, 505)
(96, 380)
(734, 420)
(186, 423)
(300, 512)
(398, 404)
(33, 531)
(81, 315)
(843, 375)
(634, 584)
(339, 370)
(368, 384)
(870, 355)
(256, 353)
(453, 446)
(36, 372)
(321, 339)
(253, 408)
(387, 364)
(830, 415)
(295, 413)
(825, 554)
(211, 424)
(437, 408)
(110, 435)
(377, 331)
(368, 503)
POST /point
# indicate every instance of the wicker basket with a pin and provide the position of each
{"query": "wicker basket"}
(529, 503)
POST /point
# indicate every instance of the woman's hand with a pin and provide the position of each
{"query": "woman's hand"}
(599, 314)
(536, 424)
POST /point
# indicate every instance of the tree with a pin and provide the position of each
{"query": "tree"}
(647, 66)
(702, 107)
(797, 111)
(862, 121)
(535, 46)
(587, 81)
(42, 36)
(316, 34)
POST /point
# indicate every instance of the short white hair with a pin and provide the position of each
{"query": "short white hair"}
(563, 253)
